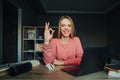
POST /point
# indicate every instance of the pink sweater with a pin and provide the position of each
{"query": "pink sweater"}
(71, 53)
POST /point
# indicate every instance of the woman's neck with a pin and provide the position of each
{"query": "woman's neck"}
(65, 40)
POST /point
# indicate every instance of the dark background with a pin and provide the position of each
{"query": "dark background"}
(96, 25)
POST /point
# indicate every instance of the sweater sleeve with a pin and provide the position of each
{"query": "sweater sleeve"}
(78, 52)
(49, 52)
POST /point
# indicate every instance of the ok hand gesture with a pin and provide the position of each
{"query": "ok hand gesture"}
(48, 33)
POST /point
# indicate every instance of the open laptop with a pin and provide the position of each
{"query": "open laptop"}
(93, 60)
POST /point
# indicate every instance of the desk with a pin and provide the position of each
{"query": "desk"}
(41, 73)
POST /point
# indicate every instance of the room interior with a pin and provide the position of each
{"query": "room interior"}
(97, 23)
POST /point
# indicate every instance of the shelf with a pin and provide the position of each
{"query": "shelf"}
(29, 51)
(33, 39)
(28, 39)
(28, 45)
(40, 39)
(28, 56)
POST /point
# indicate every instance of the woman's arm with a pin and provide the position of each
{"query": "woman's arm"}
(47, 47)
(49, 51)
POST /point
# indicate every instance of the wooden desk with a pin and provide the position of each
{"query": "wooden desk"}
(41, 73)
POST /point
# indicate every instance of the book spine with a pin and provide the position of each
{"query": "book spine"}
(111, 69)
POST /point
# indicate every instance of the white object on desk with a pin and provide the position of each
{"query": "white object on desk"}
(49, 67)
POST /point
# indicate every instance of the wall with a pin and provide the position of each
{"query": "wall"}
(29, 17)
(114, 32)
(9, 33)
(91, 28)
(1, 32)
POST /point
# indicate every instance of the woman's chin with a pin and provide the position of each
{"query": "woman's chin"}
(66, 36)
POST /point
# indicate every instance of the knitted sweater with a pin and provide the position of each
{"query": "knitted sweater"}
(71, 53)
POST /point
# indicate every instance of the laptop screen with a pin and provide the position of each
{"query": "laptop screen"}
(93, 60)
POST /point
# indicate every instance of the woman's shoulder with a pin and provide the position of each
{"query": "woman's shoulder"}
(76, 38)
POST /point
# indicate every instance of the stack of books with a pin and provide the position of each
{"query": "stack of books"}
(113, 70)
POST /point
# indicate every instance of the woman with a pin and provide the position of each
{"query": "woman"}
(66, 49)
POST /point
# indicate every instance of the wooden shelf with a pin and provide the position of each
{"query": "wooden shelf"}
(33, 38)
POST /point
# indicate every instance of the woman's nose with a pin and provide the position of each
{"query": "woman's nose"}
(66, 27)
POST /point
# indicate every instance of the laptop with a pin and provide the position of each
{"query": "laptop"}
(93, 60)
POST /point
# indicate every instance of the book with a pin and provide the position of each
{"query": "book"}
(112, 67)
(113, 74)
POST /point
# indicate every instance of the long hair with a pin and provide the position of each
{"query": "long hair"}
(72, 24)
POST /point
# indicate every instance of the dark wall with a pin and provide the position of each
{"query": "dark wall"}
(114, 32)
(9, 32)
(94, 30)
(10, 27)
(91, 28)
(29, 17)
(1, 53)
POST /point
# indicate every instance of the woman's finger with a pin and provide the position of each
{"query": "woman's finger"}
(47, 25)
(51, 31)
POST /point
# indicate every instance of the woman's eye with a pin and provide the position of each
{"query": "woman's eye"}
(62, 25)
(69, 25)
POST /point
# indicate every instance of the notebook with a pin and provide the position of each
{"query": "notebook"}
(93, 60)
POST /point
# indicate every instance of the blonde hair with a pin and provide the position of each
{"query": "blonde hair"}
(72, 24)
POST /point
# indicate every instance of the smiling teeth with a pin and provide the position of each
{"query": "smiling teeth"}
(66, 31)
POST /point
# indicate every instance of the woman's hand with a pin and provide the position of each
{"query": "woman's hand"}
(58, 63)
(48, 33)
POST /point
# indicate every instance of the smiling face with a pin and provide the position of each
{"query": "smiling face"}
(65, 28)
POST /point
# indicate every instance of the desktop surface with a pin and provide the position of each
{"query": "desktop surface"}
(41, 73)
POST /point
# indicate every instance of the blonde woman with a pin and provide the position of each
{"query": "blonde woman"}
(66, 49)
